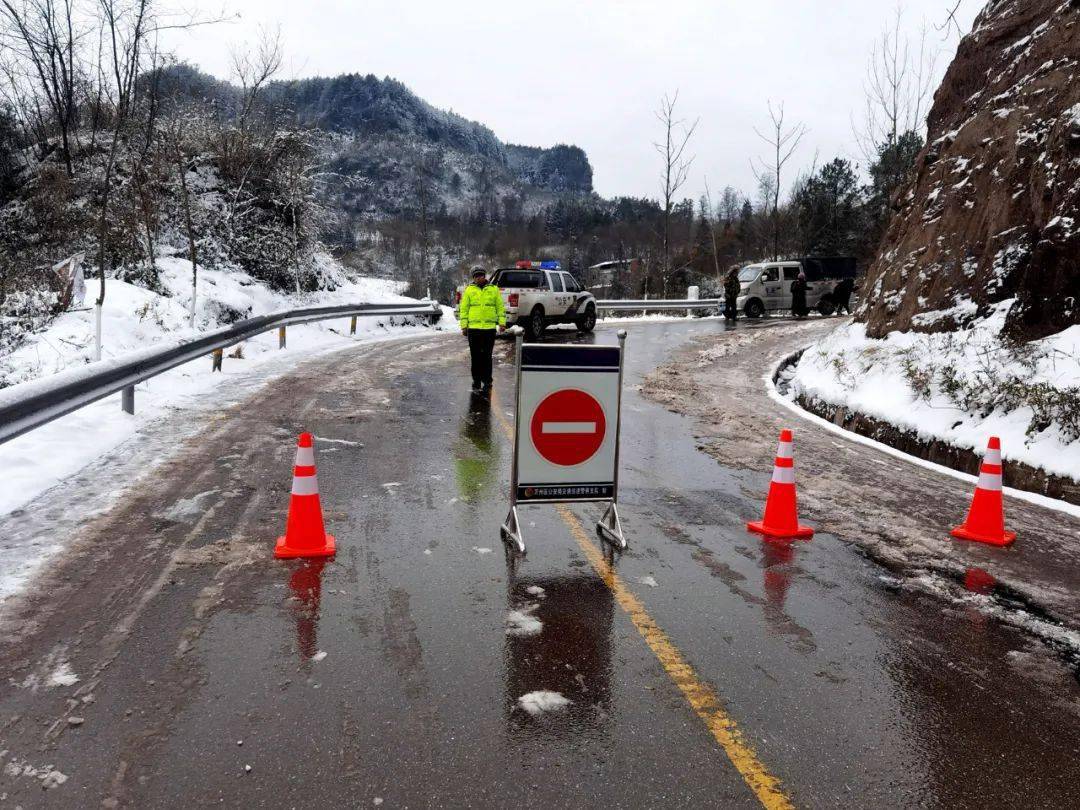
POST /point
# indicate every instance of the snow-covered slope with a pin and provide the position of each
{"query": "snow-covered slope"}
(957, 387)
(135, 318)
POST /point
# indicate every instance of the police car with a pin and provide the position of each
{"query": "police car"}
(537, 294)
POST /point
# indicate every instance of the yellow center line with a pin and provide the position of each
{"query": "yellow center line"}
(701, 697)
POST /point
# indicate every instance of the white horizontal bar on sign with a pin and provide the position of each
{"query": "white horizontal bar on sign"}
(568, 427)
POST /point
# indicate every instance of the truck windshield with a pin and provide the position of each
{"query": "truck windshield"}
(519, 278)
(749, 273)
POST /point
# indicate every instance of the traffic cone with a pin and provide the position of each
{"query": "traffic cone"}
(305, 535)
(781, 514)
(986, 518)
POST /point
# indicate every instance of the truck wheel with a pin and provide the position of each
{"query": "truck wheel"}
(534, 326)
(754, 308)
(825, 307)
(587, 322)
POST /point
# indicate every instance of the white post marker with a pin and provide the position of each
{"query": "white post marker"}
(566, 431)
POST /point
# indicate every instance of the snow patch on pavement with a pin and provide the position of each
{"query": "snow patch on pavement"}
(480, 550)
(186, 510)
(63, 675)
(522, 622)
(542, 700)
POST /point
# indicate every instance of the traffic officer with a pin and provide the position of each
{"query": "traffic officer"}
(480, 313)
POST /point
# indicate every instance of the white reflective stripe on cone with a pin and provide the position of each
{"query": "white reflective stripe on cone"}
(785, 450)
(992, 456)
(305, 456)
(991, 481)
(305, 485)
(783, 475)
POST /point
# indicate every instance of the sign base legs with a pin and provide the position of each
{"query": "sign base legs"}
(511, 530)
(610, 527)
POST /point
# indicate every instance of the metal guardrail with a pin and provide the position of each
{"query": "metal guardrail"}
(623, 305)
(25, 407)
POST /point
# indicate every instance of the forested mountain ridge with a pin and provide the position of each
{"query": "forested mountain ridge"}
(393, 128)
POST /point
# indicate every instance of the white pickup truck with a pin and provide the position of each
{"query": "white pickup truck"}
(537, 294)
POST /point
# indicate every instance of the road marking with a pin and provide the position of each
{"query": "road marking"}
(568, 427)
(701, 697)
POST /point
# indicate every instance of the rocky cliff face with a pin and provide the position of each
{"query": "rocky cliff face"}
(993, 211)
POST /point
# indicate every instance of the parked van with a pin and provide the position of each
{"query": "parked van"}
(766, 286)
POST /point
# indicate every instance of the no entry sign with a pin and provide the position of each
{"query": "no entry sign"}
(566, 431)
(568, 427)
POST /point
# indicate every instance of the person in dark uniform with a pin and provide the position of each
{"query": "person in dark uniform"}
(798, 297)
(731, 294)
(480, 313)
(842, 295)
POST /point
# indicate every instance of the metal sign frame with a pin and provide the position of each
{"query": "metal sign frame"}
(609, 527)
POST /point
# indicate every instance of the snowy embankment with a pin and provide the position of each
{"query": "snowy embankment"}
(959, 388)
(134, 318)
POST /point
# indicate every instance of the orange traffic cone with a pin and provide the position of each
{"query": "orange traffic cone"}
(305, 535)
(781, 514)
(986, 518)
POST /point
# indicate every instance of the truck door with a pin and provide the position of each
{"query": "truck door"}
(572, 289)
(774, 293)
(558, 297)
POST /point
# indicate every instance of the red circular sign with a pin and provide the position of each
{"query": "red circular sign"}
(568, 427)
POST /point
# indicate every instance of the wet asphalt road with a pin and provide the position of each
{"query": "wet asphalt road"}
(388, 677)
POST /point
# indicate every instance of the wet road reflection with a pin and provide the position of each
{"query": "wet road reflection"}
(979, 581)
(775, 559)
(305, 587)
(476, 454)
(567, 651)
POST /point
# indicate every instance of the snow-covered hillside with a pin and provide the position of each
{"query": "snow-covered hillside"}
(135, 318)
(957, 387)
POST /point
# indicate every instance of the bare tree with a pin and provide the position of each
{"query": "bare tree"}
(423, 170)
(898, 89)
(253, 68)
(175, 135)
(126, 28)
(729, 205)
(712, 229)
(782, 141)
(43, 36)
(243, 147)
(675, 168)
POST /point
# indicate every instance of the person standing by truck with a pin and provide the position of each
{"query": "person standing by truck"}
(842, 295)
(731, 294)
(480, 314)
(798, 296)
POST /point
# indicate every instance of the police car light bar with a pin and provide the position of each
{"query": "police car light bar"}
(525, 264)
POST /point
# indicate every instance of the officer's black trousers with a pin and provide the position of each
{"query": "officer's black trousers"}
(481, 344)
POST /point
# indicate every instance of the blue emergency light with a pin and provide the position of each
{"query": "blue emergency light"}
(552, 265)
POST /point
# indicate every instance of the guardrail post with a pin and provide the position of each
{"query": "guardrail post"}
(218, 354)
(127, 399)
(281, 337)
(352, 325)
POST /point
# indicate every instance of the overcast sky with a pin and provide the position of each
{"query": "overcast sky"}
(592, 72)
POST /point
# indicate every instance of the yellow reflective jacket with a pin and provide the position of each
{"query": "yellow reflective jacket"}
(481, 308)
